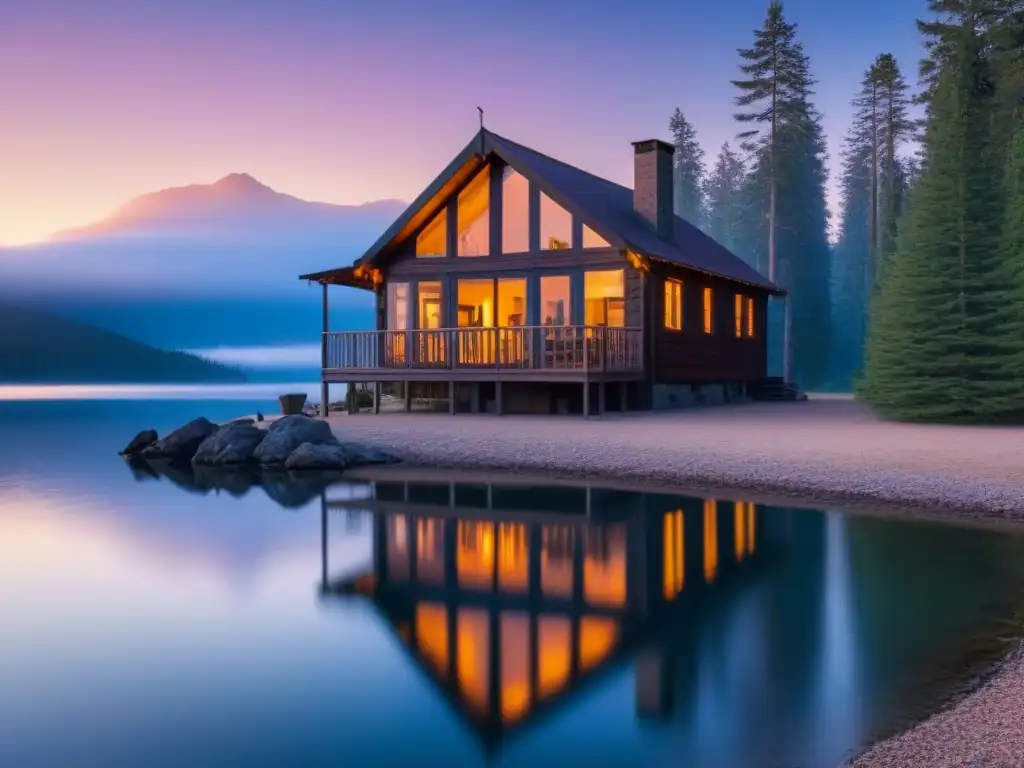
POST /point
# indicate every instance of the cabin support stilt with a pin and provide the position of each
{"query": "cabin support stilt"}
(498, 398)
(325, 326)
(451, 396)
(407, 394)
(376, 397)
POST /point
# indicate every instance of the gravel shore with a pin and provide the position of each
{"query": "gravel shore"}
(829, 451)
(984, 730)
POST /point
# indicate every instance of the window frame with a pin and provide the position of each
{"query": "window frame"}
(673, 285)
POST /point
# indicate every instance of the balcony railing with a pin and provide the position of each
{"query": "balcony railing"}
(546, 348)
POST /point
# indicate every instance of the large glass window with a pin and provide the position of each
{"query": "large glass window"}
(512, 301)
(475, 216)
(604, 298)
(738, 312)
(750, 318)
(673, 305)
(555, 300)
(593, 240)
(555, 225)
(430, 303)
(476, 304)
(397, 320)
(515, 212)
(709, 311)
(398, 307)
(431, 241)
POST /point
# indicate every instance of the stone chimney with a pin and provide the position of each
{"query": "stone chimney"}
(652, 184)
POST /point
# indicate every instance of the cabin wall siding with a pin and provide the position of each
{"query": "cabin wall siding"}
(692, 356)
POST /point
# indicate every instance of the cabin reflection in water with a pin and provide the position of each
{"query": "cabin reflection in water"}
(512, 597)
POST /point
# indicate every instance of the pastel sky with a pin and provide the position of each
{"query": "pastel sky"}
(354, 100)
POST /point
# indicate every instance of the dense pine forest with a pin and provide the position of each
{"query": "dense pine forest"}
(917, 301)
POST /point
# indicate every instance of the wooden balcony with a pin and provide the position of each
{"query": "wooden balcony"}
(537, 353)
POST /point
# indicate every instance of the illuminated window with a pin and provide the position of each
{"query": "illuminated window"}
(430, 304)
(511, 301)
(673, 305)
(475, 216)
(604, 298)
(555, 300)
(430, 242)
(555, 225)
(750, 318)
(398, 307)
(708, 310)
(593, 240)
(739, 316)
(430, 347)
(515, 212)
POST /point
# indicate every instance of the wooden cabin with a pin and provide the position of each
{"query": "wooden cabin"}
(517, 283)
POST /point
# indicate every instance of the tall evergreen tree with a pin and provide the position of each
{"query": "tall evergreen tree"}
(688, 171)
(723, 193)
(934, 352)
(895, 129)
(786, 140)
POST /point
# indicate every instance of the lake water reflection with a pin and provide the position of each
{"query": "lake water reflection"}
(156, 617)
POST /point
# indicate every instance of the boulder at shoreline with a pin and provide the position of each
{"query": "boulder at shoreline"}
(144, 439)
(182, 443)
(234, 443)
(287, 434)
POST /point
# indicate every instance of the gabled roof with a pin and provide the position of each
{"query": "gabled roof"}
(604, 206)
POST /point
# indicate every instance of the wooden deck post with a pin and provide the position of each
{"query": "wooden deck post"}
(451, 396)
(497, 398)
(376, 397)
(586, 399)
(325, 327)
(623, 396)
(407, 393)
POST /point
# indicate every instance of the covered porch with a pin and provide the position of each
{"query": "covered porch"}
(601, 359)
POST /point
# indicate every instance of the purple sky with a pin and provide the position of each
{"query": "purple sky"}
(354, 100)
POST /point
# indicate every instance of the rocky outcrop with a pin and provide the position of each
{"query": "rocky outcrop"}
(144, 439)
(182, 443)
(287, 434)
(232, 444)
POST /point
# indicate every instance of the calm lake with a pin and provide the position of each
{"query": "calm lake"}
(153, 618)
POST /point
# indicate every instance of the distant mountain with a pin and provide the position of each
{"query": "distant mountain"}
(233, 237)
(236, 204)
(202, 266)
(38, 348)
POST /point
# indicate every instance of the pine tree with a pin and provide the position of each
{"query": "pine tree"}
(787, 144)
(723, 193)
(935, 352)
(688, 171)
(895, 129)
